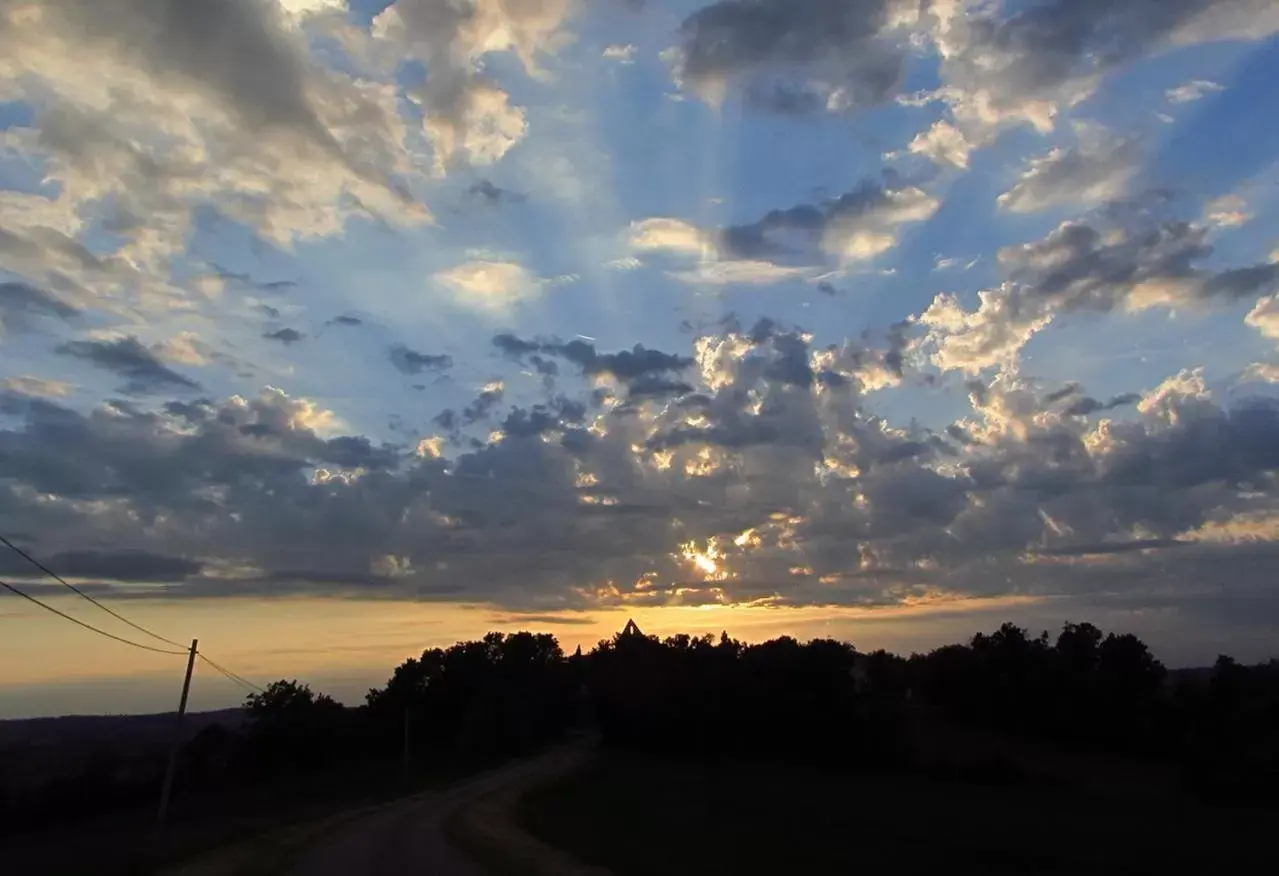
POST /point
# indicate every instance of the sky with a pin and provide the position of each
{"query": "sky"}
(331, 330)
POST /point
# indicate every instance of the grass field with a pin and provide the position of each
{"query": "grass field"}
(648, 816)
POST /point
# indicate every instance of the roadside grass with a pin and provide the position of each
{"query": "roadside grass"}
(260, 824)
(641, 815)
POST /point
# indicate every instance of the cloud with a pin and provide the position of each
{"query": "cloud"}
(858, 226)
(943, 143)
(639, 365)
(1192, 91)
(1005, 66)
(129, 359)
(622, 53)
(37, 387)
(674, 235)
(1265, 316)
(492, 286)
(1090, 173)
(131, 566)
(485, 191)
(468, 116)
(286, 336)
(1227, 211)
(771, 464)
(1085, 267)
(794, 55)
(408, 361)
(22, 304)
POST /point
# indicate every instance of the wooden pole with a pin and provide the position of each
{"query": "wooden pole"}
(176, 744)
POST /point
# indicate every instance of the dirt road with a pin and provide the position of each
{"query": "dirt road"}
(407, 837)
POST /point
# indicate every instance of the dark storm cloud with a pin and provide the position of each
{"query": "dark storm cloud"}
(791, 56)
(409, 361)
(129, 359)
(286, 336)
(127, 565)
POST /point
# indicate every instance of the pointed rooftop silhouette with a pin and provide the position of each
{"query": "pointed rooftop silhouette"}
(631, 629)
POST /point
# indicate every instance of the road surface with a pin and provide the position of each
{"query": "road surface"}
(406, 838)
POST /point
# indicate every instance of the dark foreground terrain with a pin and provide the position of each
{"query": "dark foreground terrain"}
(650, 815)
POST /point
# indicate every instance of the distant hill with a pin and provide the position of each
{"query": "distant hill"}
(98, 729)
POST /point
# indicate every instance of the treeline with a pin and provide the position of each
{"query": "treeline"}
(479, 702)
(1084, 692)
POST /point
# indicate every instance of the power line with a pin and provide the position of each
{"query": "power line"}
(238, 679)
(88, 626)
(115, 614)
(55, 576)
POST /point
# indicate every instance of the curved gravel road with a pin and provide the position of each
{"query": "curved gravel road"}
(406, 838)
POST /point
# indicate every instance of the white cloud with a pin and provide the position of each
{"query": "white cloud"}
(744, 271)
(676, 235)
(488, 285)
(1192, 91)
(468, 115)
(943, 143)
(1227, 211)
(1264, 317)
(622, 53)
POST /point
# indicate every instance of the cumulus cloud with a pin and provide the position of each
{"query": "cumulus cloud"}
(1004, 65)
(1079, 266)
(150, 111)
(1265, 316)
(468, 115)
(753, 471)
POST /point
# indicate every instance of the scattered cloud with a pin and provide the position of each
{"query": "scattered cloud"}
(1090, 173)
(408, 361)
(286, 336)
(128, 358)
(492, 286)
(622, 53)
(1193, 90)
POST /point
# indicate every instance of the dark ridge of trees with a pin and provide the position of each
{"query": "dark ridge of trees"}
(478, 702)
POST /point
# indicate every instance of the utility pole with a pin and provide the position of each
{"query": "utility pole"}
(167, 790)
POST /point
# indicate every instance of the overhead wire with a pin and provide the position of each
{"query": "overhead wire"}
(238, 679)
(88, 626)
(115, 614)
